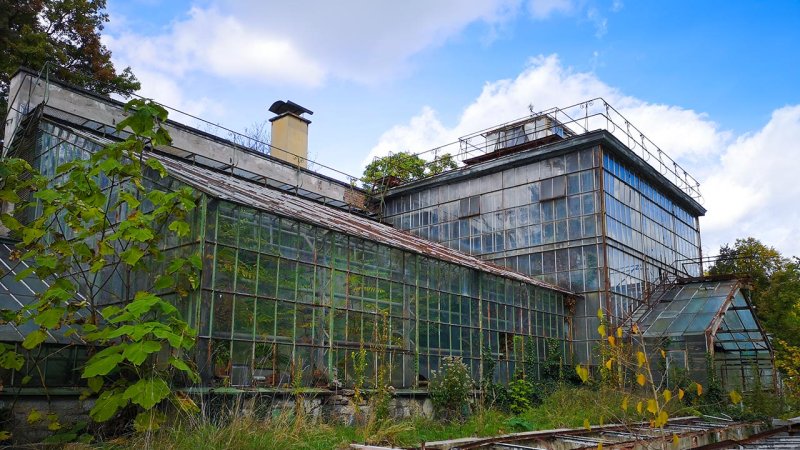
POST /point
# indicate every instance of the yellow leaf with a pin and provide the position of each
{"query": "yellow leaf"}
(681, 393)
(635, 328)
(652, 406)
(5, 435)
(699, 389)
(661, 420)
(586, 424)
(640, 356)
(601, 330)
(583, 372)
(54, 426)
(625, 404)
(611, 340)
(676, 441)
(608, 363)
(663, 354)
(639, 407)
(619, 332)
(599, 446)
(667, 395)
(736, 398)
(600, 313)
(640, 379)
(35, 416)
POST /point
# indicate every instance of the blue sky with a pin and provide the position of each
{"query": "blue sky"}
(714, 84)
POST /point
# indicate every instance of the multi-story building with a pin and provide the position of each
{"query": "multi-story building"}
(567, 201)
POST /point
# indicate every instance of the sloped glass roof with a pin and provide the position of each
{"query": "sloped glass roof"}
(716, 306)
(16, 294)
(688, 309)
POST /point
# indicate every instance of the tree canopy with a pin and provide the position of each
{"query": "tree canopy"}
(404, 167)
(64, 34)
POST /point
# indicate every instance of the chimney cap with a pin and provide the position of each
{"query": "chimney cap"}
(288, 106)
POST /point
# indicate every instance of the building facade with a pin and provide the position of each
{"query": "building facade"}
(294, 285)
(582, 211)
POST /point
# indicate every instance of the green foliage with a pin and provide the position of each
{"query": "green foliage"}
(521, 395)
(450, 388)
(405, 167)
(64, 34)
(96, 220)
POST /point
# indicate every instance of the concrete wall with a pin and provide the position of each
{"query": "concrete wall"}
(26, 92)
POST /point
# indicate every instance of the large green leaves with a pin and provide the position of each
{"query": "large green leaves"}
(147, 392)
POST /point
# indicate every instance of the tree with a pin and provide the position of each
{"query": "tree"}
(97, 220)
(64, 34)
(403, 167)
(751, 258)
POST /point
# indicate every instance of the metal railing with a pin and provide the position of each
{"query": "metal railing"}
(580, 118)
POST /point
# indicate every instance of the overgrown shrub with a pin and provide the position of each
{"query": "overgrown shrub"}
(449, 388)
(521, 395)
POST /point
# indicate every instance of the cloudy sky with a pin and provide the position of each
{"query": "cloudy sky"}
(714, 84)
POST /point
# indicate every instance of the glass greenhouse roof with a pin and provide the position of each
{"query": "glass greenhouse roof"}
(717, 307)
(16, 294)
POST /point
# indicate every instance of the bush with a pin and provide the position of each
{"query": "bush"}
(449, 388)
(521, 395)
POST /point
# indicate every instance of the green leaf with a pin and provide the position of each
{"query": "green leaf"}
(47, 195)
(109, 164)
(175, 340)
(196, 261)
(138, 234)
(30, 234)
(10, 222)
(180, 227)
(137, 352)
(95, 384)
(34, 338)
(107, 405)
(12, 360)
(175, 265)
(157, 166)
(163, 282)
(142, 303)
(131, 256)
(49, 261)
(101, 365)
(147, 392)
(49, 318)
(148, 421)
(128, 198)
(182, 366)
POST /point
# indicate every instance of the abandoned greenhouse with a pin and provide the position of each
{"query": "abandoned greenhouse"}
(500, 258)
(291, 287)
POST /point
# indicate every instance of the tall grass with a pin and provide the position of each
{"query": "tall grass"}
(567, 407)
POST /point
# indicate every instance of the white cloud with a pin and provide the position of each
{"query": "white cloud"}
(542, 9)
(754, 189)
(546, 83)
(304, 42)
(749, 182)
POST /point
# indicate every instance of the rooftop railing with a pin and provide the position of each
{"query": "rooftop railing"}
(580, 118)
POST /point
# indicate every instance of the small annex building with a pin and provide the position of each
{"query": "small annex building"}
(708, 328)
